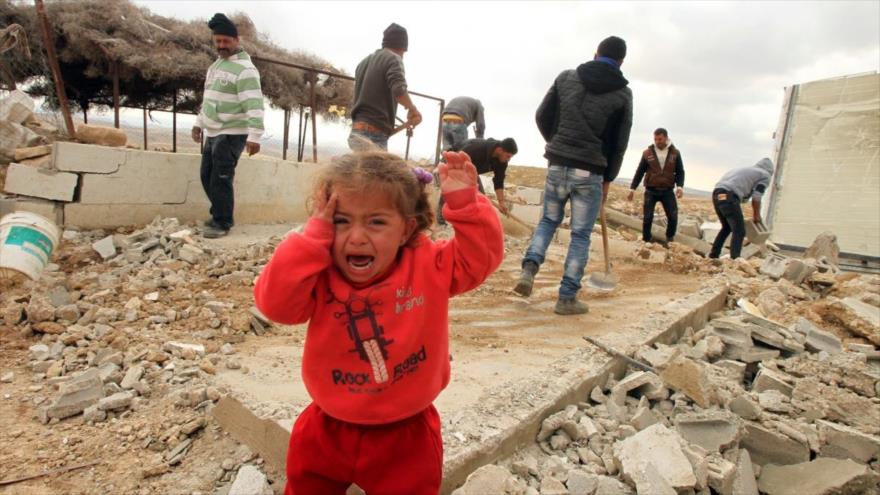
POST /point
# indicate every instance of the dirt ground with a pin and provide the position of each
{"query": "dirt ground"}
(496, 337)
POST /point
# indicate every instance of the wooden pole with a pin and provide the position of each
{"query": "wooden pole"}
(314, 80)
(299, 136)
(174, 122)
(286, 133)
(49, 44)
(85, 115)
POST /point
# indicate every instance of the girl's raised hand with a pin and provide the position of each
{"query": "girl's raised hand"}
(325, 206)
(457, 173)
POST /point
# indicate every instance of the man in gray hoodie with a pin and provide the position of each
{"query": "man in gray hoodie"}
(736, 187)
(461, 112)
(379, 85)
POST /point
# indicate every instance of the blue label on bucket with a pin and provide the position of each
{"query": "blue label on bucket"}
(18, 236)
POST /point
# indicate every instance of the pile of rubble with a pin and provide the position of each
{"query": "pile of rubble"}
(131, 328)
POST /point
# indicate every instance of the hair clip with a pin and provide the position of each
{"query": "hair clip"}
(423, 175)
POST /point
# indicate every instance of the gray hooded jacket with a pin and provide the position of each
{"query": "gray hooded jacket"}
(748, 182)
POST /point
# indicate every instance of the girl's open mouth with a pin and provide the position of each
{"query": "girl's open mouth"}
(360, 262)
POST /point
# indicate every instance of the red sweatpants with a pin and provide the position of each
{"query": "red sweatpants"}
(327, 455)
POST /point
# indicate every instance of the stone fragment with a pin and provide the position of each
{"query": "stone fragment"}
(560, 441)
(643, 418)
(658, 357)
(250, 481)
(744, 407)
(607, 485)
(731, 331)
(525, 467)
(843, 442)
(105, 247)
(768, 379)
(769, 447)
(49, 327)
(691, 378)
(172, 346)
(76, 395)
(774, 401)
(750, 354)
(651, 481)
(658, 446)
(714, 431)
(821, 476)
(858, 317)
(774, 266)
(551, 486)
(721, 474)
(7, 377)
(744, 482)
(580, 482)
(818, 339)
(824, 246)
(834, 403)
(117, 401)
(132, 376)
(489, 479)
(775, 335)
(190, 254)
(643, 383)
(797, 271)
(735, 369)
(93, 414)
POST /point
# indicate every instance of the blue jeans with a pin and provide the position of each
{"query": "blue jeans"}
(454, 135)
(359, 140)
(585, 191)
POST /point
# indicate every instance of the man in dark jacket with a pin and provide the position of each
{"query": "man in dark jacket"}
(585, 119)
(487, 155)
(379, 85)
(663, 170)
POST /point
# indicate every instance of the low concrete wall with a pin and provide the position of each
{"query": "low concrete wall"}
(130, 187)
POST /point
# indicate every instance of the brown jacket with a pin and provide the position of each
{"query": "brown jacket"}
(671, 175)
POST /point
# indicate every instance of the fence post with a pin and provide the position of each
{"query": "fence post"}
(174, 122)
(313, 80)
(49, 44)
(286, 133)
(145, 128)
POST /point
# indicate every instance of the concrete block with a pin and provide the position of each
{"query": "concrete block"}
(774, 266)
(51, 210)
(119, 400)
(843, 442)
(608, 485)
(580, 482)
(31, 152)
(644, 383)
(768, 379)
(768, 447)
(144, 178)
(735, 369)
(775, 335)
(529, 214)
(105, 247)
(756, 233)
(528, 195)
(750, 354)
(250, 481)
(817, 339)
(714, 431)
(690, 228)
(75, 157)
(744, 407)
(643, 418)
(822, 476)
(40, 183)
(690, 378)
(190, 254)
(651, 481)
(659, 447)
(721, 474)
(731, 331)
(797, 271)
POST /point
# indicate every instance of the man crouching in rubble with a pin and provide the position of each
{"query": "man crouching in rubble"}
(232, 118)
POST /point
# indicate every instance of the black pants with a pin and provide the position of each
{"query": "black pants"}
(219, 158)
(440, 219)
(666, 197)
(730, 213)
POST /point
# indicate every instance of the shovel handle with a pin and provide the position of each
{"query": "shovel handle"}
(604, 237)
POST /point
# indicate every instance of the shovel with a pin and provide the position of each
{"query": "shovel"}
(603, 281)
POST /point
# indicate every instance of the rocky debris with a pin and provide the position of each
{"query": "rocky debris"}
(843, 442)
(824, 247)
(105, 247)
(713, 430)
(75, 396)
(250, 481)
(490, 480)
(818, 340)
(691, 378)
(857, 316)
(768, 447)
(822, 476)
(660, 448)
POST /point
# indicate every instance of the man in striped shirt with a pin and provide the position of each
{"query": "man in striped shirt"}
(232, 120)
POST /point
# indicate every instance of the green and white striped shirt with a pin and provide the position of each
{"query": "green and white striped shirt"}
(233, 101)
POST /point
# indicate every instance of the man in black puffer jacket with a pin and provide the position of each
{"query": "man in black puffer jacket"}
(585, 119)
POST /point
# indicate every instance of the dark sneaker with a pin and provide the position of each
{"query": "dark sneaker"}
(210, 223)
(214, 232)
(570, 307)
(526, 279)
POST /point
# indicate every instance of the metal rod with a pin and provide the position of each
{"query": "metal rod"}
(49, 44)
(632, 362)
(286, 133)
(115, 94)
(299, 136)
(145, 127)
(439, 133)
(174, 122)
(314, 81)
(49, 473)
(409, 134)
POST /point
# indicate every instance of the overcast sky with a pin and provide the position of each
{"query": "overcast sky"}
(713, 73)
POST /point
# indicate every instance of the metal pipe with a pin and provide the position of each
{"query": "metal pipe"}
(286, 133)
(174, 122)
(439, 133)
(49, 44)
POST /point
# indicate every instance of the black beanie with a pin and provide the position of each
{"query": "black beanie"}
(612, 47)
(220, 24)
(509, 145)
(395, 36)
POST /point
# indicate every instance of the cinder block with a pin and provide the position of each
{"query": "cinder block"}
(49, 209)
(145, 177)
(40, 183)
(89, 158)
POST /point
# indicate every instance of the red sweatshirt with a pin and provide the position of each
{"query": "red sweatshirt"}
(381, 353)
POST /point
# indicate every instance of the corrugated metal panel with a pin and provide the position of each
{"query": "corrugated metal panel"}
(829, 175)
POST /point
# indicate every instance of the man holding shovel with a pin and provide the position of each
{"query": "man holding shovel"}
(585, 119)
(379, 85)
(488, 155)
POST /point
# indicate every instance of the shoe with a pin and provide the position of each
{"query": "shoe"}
(214, 232)
(210, 223)
(526, 279)
(570, 307)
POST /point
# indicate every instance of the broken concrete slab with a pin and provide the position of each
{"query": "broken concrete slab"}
(649, 480)
(132, 376)
(843, 442)
(75, 396)
(750, 354)
(775, 335)
(692, 379)
(31, 152)
(643, 383)
(40, 183)
(768, 447)
(250, 481)
(658, 446)
(714, 431)
(817, 339)
(119, 400)
(744, 407)
(744, 482)
(721, 474)
(774, 266)
(731, 331)
(822, 476)
(768, 379)
(824, 246)
(489, 479)
(797, 271)
(75, 157)
(105, 247)
(859, 317)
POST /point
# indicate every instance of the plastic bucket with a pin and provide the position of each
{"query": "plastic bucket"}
(26, 244)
